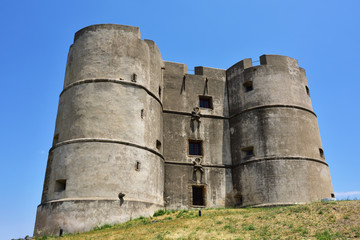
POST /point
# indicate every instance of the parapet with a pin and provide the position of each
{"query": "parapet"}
(210, 72)
(275, 60)
(175, 68)
(278, 60)
(125, 28)
(243, 64)
(239, 67)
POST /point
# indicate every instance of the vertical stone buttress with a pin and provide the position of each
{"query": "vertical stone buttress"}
(275, 142)
(108, 135)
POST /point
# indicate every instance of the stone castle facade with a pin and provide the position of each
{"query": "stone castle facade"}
(135, 134)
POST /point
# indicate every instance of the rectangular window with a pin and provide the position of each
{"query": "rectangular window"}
(198, 195)
(195, 147)
(60, 185)
(205, 102)
(248, 86)
(247, 152)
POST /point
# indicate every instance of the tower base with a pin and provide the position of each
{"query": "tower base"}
(80, 215)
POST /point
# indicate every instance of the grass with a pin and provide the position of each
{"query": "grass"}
(320, 220)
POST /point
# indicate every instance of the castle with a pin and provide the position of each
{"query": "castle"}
(135, 134)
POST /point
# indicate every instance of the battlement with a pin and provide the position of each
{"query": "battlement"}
(176, 68)
(274, 60)
(124, 28)
(207, 71)
(278, 60)
(182, 69)
(243, 64)
(156, 136)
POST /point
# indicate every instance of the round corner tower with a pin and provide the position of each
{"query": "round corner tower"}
(275, 141)
(106, 163)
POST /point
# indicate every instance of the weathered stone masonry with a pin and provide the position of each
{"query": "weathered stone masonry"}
(135, 133)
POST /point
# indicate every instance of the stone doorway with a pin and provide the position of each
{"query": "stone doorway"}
(198, 196)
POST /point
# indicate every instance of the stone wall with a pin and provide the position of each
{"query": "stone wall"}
(276, 148)
(108, 134)
(135, 134)
(182, 92)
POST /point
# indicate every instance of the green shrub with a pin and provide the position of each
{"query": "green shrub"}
(159, 212)
(182, 213)
(105, 226)
(248, 227)
(230, 228)
(251, 227)
(325, 235)
(299, 209)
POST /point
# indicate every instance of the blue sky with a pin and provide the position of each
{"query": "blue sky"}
(36, 35)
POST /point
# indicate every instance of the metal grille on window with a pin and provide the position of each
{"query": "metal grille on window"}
(205, 101)
(194, 148)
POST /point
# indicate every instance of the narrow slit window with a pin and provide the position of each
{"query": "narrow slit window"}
(158, 144)
(159, 91)
(248, 86)
(205, 102)
(198, 195)
(307, 90)
(321, 151)
(60, 185)
(137, 168)
(133, 77)
(142, 113)
(195, 148)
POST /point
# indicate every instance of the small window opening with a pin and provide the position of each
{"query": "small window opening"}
(159, 91)
(205, 102)
(195, 147)
(133, 77)
(307, 90)
(56, 139)
(198, 196)
(158, 144)
(332, 195)
(248, 86)
(321, 152)
(248, 152)
(238, 200)
(142, 113)
(60, 185)
(137, 168)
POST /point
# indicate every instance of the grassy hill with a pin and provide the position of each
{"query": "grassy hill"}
(321, 220)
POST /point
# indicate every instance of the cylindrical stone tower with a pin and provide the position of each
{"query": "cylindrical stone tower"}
(276, 146)
(106, 163)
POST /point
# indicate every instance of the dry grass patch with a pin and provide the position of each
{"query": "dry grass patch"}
(322, 220)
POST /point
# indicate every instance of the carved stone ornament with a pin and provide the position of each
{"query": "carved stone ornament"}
(195, 114)
(198, 169)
